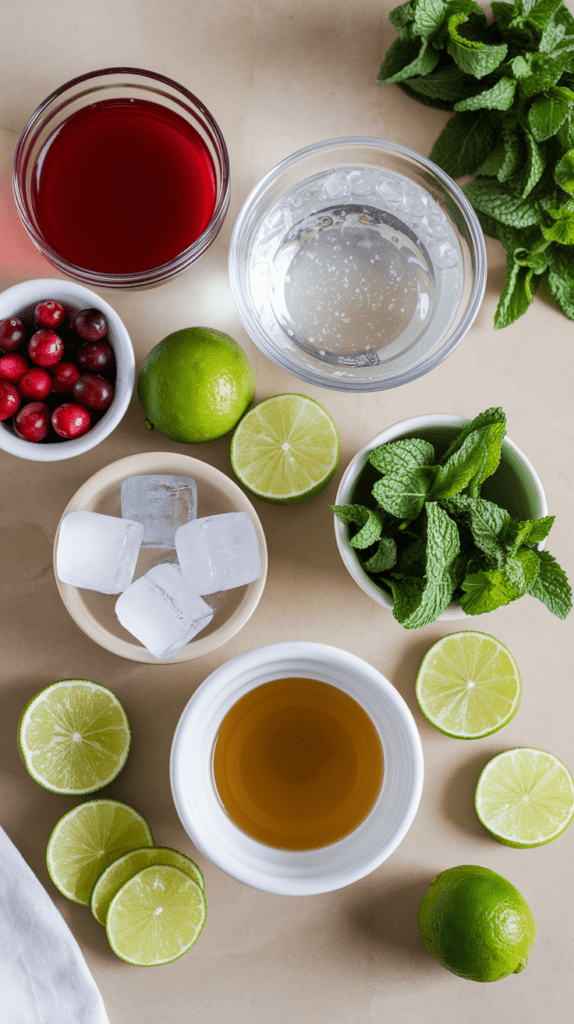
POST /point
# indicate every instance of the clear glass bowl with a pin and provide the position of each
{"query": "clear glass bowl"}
(117, 84)
(357, 264)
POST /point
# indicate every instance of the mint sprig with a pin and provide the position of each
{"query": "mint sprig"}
(510, 86)
(431, 538)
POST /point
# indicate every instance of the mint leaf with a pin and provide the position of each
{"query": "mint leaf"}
(443, 87)
(529, 531)
(561, 277)
(418, 604)
(385, 556)
(562, 228)
(368, 520)
(564, 171)
(517, 294)
(498, 97)
(475, 460)
(551, 585)
(497, 200)
(535, 164)
(485, 591)
(407, 596)
(484, 419)
(406, 58)
(486, 522)
(428, 17)
(521, 570)
(465, 141)
(402, 455)
(475, 57)
(547, 113)
(404, 494)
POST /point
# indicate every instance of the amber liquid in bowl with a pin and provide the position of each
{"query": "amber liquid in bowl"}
(298, 763)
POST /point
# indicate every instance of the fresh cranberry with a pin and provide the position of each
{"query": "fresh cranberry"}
(45, 347)
(32, 421)
(71, 420)
(35, 383)
(94, 391)
(96, 356)
(12, 366)
(12, 333)
(49, 313)
(91, 324)
(9, 399)
(64, 376)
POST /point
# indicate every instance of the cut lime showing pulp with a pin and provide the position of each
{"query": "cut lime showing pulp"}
(286, 449)
(468, 685)
(120, 871)
(525, 797)
(87, 839)
(156, 916)
(74, 737)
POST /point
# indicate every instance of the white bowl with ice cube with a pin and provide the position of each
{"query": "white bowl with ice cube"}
(160, 558)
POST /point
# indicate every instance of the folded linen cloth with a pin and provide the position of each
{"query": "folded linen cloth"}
(44, 978)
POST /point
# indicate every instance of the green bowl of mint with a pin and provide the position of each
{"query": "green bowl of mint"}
(443, 517)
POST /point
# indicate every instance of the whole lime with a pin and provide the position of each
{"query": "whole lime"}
(476, 923)
(195, 385)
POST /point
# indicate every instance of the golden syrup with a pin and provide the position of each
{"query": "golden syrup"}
(298, 763)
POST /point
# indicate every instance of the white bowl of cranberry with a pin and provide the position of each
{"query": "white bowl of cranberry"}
(67, 369)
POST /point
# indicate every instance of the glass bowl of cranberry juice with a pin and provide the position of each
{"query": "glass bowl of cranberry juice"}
(121, 178)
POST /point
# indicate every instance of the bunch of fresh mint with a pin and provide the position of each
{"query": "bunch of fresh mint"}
(430, 538)
(510, 83)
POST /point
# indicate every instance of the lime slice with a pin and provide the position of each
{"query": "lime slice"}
(74, 736)
(156, 916)
(468, 685)
(525, 797)
(286, 449)
(120, 871)
(87, 839)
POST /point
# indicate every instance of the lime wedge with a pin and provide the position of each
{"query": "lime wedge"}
(87, 839)
(286, 449)
(74, 736)
(525, 797)
(468, 685)
(120, 871)
(156, 916)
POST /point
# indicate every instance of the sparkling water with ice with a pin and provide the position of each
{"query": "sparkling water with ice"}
(162, 612)
(98, 552)
(356, 266)
(161, 502)
(218, 552)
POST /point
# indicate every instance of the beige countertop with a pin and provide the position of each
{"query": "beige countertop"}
(278, 76)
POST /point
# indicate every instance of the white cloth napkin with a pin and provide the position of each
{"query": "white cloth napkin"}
(44, 978)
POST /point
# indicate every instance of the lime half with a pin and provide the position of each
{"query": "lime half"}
(286, 449)
(156, 916)
(120, 871)
(468, 685)
(74, 736)
(525, 797)
(87, 839)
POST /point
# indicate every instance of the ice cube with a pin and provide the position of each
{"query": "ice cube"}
(161, 502)
(98, 552)
(161, 611)
(218, 552)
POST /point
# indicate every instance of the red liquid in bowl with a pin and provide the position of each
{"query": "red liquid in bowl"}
(123, 186)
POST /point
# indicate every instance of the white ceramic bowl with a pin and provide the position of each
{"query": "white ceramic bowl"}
(515, 486)
(295, 872)
(94, 613)
(20, 300)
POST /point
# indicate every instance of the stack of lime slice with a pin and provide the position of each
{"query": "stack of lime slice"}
(74, 738)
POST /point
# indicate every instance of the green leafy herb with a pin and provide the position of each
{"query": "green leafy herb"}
(431, 538)
(510, 86)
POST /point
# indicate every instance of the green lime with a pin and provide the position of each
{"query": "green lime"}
(156, 916)
(87, 839)
(525, 797)
(195, 385)
(121, 870)
(286, 449)
(468, 685)
(476, 923)
(74, 736)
